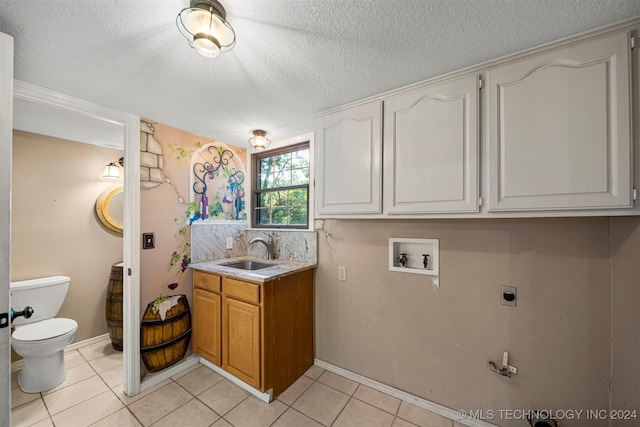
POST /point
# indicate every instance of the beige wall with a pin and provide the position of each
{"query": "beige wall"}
(435, 342)
(625, 296)
(55, 229)
(162, 211)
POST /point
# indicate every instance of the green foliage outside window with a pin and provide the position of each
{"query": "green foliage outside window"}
(281, 198)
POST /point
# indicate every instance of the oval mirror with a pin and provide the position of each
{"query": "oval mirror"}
(110, 208)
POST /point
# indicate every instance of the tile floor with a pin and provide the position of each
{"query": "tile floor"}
(92, 396)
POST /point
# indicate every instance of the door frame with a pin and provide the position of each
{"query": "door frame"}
(6, 144)
(130, 125)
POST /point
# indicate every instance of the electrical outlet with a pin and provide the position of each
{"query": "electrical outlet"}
(229, 242)
(342, 272)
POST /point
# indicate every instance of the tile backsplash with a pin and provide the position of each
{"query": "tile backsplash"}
(208, 242)
(292, 245)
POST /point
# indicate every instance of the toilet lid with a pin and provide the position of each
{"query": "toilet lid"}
(44, 329)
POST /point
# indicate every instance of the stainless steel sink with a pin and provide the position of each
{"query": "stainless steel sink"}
(249, 264)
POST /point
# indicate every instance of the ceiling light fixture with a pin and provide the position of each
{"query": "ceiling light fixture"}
(259, 140)
(204, 26)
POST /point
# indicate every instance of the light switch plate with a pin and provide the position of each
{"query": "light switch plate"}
(229, 242)
(148, 240)
(342, 272)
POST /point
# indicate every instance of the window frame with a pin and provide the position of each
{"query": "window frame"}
(256, 190)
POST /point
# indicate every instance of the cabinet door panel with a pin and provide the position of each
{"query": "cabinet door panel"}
(559, 129)
(431, 148)
(348, 159)
(206, 328)
(241, 336)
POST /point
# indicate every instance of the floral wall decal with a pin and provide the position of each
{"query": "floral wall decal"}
(218, 177)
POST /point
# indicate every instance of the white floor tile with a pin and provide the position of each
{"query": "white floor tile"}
(19, 397)
(29, 414)
(254, 413)
(360, 414)
(198, 396)
(378, 399)
(76, 393)
(223, 396)
(293, 418)
(105, 363)
(73, 358)
(314, 372)
(156, 405)
(295, 390)
(192, 414)
(199, 380)
(121, 418)
(322, 403)
(75, 374)
(100, 349)
(113, 377)
(89, 411)
(422, 417)
(128, 400)
(338, 382)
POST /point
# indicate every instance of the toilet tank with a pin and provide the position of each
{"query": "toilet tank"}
(45, 295)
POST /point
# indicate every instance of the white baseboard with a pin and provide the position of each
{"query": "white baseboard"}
(87, 342)
(451, 414)
(265, 397)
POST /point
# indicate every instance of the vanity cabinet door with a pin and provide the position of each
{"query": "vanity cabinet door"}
(241, 340)
(431, 148)
(348, 161)
(207, 328)
(558, 128)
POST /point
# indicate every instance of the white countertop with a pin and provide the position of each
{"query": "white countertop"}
(282, 268)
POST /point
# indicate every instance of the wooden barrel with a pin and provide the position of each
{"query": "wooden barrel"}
(113, 311)
(165, 342)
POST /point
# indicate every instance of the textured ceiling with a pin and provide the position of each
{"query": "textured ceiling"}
(293, 58)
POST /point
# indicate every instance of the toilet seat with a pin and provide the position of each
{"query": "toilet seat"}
(44, 330)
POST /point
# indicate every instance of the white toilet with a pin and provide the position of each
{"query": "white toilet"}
(41, 339)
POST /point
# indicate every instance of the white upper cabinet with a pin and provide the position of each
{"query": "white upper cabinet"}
(548, 133)
(558, 128)
(348, 161)
(431, 148)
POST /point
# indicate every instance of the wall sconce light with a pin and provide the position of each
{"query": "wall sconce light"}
(112, 171)
(259, 140)
(204, 26)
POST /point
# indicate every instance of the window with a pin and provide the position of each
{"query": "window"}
(281, 188)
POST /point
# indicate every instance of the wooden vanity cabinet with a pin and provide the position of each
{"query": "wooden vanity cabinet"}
(266, 329)
(207, 309)
(241, 330)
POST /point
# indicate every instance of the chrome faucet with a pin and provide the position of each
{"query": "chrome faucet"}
(267, 244)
